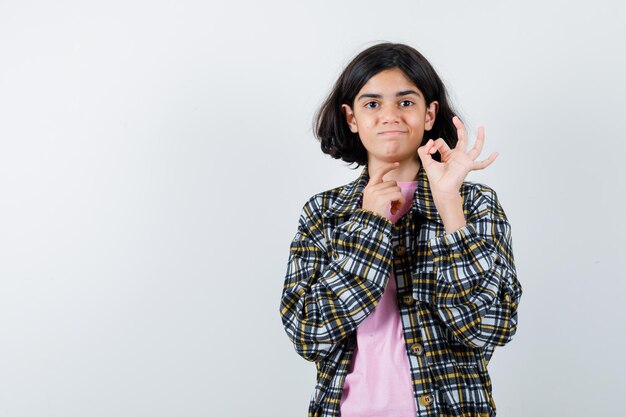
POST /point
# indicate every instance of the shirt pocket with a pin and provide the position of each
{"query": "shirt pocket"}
(467, 363)
(463, 390)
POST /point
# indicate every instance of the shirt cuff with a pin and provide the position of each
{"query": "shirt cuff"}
(453, 242)
(369, 218)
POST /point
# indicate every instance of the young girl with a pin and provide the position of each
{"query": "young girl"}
(400, 284)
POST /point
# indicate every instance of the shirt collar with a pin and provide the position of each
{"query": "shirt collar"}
(351, 196)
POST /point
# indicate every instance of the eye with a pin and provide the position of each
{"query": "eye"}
(406, 103)
(371, 105)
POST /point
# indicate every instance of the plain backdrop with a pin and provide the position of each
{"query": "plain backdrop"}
(155, 156)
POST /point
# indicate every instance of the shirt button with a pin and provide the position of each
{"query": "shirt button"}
(426, 399)
(417, 349)
(407, 300)
(399, 250)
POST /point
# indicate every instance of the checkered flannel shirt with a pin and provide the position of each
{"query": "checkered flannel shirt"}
(457, 293)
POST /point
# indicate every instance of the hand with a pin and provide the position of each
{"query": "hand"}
(446, 177)
(378, 194)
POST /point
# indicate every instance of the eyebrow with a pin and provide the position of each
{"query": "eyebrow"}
(398, 94)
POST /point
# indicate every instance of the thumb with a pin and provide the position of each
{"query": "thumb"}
(377, 176)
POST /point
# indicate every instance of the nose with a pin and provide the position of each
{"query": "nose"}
(390, 114)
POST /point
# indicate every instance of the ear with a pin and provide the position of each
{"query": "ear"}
(431, 114)
(347, 111)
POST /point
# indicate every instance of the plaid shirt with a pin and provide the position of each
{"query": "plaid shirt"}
(457, 293)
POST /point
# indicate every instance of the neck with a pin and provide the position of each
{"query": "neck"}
(407, 171)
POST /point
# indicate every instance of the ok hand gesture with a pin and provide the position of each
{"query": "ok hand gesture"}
(447, 176)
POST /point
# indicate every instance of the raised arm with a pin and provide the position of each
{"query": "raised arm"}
(477, 291)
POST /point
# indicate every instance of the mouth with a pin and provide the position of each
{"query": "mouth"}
(392, 132)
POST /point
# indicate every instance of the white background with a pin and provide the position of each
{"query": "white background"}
(155, 156)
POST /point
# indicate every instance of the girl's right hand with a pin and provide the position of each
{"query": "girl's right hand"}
(378, 194)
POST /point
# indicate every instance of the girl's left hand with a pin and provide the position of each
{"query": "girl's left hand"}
(447, 176)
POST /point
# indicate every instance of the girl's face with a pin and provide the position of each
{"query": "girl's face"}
(390, 115)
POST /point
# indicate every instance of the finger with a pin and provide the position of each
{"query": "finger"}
(424, 152)
(378, 175)
(393, 193)
(443, 148)
(384, 186)
(461, 133)
(397, 204)
(425, 147)
(442, 145)
(478, 146)
(395, 196)
(484, 164)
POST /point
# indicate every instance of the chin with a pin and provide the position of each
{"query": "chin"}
(399, 156)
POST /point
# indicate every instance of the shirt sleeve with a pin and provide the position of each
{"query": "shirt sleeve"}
(477, 290)
(329, 289)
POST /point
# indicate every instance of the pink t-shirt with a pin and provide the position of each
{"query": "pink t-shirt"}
(379, 381)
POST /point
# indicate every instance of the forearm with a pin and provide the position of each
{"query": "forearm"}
(477, 290)
(450, 209)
